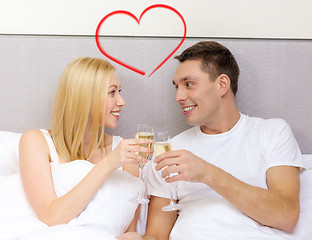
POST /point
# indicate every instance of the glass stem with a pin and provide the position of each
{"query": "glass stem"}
(171, 193)
(140, 176)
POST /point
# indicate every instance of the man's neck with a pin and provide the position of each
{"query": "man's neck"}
(224, 120)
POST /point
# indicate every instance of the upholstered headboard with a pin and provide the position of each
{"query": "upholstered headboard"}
(275, 80)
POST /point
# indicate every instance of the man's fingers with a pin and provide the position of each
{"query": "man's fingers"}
(169, 170)
(164, 163)
(168, 162)
(169, 154)
(174, 178)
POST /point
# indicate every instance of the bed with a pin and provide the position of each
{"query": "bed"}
(18, 221)
(275, 82)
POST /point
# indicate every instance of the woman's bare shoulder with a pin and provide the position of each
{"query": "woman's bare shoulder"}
(33, 139)
(32, 133)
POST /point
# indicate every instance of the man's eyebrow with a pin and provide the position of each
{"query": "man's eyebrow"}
(189, 77)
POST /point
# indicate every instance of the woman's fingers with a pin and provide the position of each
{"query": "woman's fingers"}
(137, 145)
(129, 149)
(137, 157)
(138, 141)
(138, 148)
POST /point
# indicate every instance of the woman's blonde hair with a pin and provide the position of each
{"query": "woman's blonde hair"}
(79, 92)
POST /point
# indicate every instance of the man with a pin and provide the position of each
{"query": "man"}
(236, 176)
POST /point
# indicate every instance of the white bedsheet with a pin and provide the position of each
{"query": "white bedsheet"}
(17, 220)
(70, 232)
(108, 214)
(192, 223)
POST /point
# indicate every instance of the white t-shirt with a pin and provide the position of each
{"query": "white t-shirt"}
(247, 151)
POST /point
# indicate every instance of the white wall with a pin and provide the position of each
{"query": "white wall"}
(204, 18)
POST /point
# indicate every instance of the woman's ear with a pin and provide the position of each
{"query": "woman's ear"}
(224, 84)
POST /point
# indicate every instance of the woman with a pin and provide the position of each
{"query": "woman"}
(75, 174)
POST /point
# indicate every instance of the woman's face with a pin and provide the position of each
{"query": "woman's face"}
(114, 102)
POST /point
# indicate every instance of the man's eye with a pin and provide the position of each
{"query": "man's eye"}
(189, 84)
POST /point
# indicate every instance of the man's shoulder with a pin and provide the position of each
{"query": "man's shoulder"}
(267, 123)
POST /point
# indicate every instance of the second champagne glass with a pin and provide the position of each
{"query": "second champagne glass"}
(162, 144)
(146, 132)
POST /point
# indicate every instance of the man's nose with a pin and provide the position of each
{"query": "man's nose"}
(180, 95)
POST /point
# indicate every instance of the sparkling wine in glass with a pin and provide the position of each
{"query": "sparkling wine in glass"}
(144, 132)
(162, 144)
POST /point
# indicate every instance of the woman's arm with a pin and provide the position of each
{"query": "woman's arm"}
(133, 225)
(38, 184)
(133, 169)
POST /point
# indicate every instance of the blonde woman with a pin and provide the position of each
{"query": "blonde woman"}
(74, 175)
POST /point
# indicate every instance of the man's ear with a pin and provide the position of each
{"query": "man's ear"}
(224, 84)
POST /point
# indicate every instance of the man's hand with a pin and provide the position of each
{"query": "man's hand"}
(189, 167)
(277, 206)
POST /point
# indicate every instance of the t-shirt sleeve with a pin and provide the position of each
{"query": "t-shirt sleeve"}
(156, 185)
(281, 147)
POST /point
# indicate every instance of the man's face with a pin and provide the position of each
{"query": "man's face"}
(196, 93)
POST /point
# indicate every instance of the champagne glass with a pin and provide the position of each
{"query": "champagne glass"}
(145, 132)
(162, 144)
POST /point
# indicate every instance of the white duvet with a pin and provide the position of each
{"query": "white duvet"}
(108, 214)
(192, 225)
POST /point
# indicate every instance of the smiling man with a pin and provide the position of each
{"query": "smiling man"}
(236, 176)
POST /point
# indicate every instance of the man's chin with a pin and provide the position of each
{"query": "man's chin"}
(190, 122)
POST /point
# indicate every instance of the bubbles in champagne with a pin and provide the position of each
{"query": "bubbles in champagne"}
(145, 135)
(160, 148)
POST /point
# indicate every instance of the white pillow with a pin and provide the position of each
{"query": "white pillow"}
(9, 142)
(304, 223)
(307, 160)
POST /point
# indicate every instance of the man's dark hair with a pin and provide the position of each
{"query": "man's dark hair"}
(216, 60)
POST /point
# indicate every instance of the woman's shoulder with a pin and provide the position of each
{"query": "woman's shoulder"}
(33, 139)
(32, 135)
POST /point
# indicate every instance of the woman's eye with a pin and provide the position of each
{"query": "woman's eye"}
(112, 93)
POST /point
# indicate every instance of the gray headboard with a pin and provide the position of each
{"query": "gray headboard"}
(275, 80)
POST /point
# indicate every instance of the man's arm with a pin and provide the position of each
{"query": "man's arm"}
(277, 206)
(159, 223)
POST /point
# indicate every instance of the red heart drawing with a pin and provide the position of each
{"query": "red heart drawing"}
(138, 21)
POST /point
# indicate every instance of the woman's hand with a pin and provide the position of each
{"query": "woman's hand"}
(127, 152)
